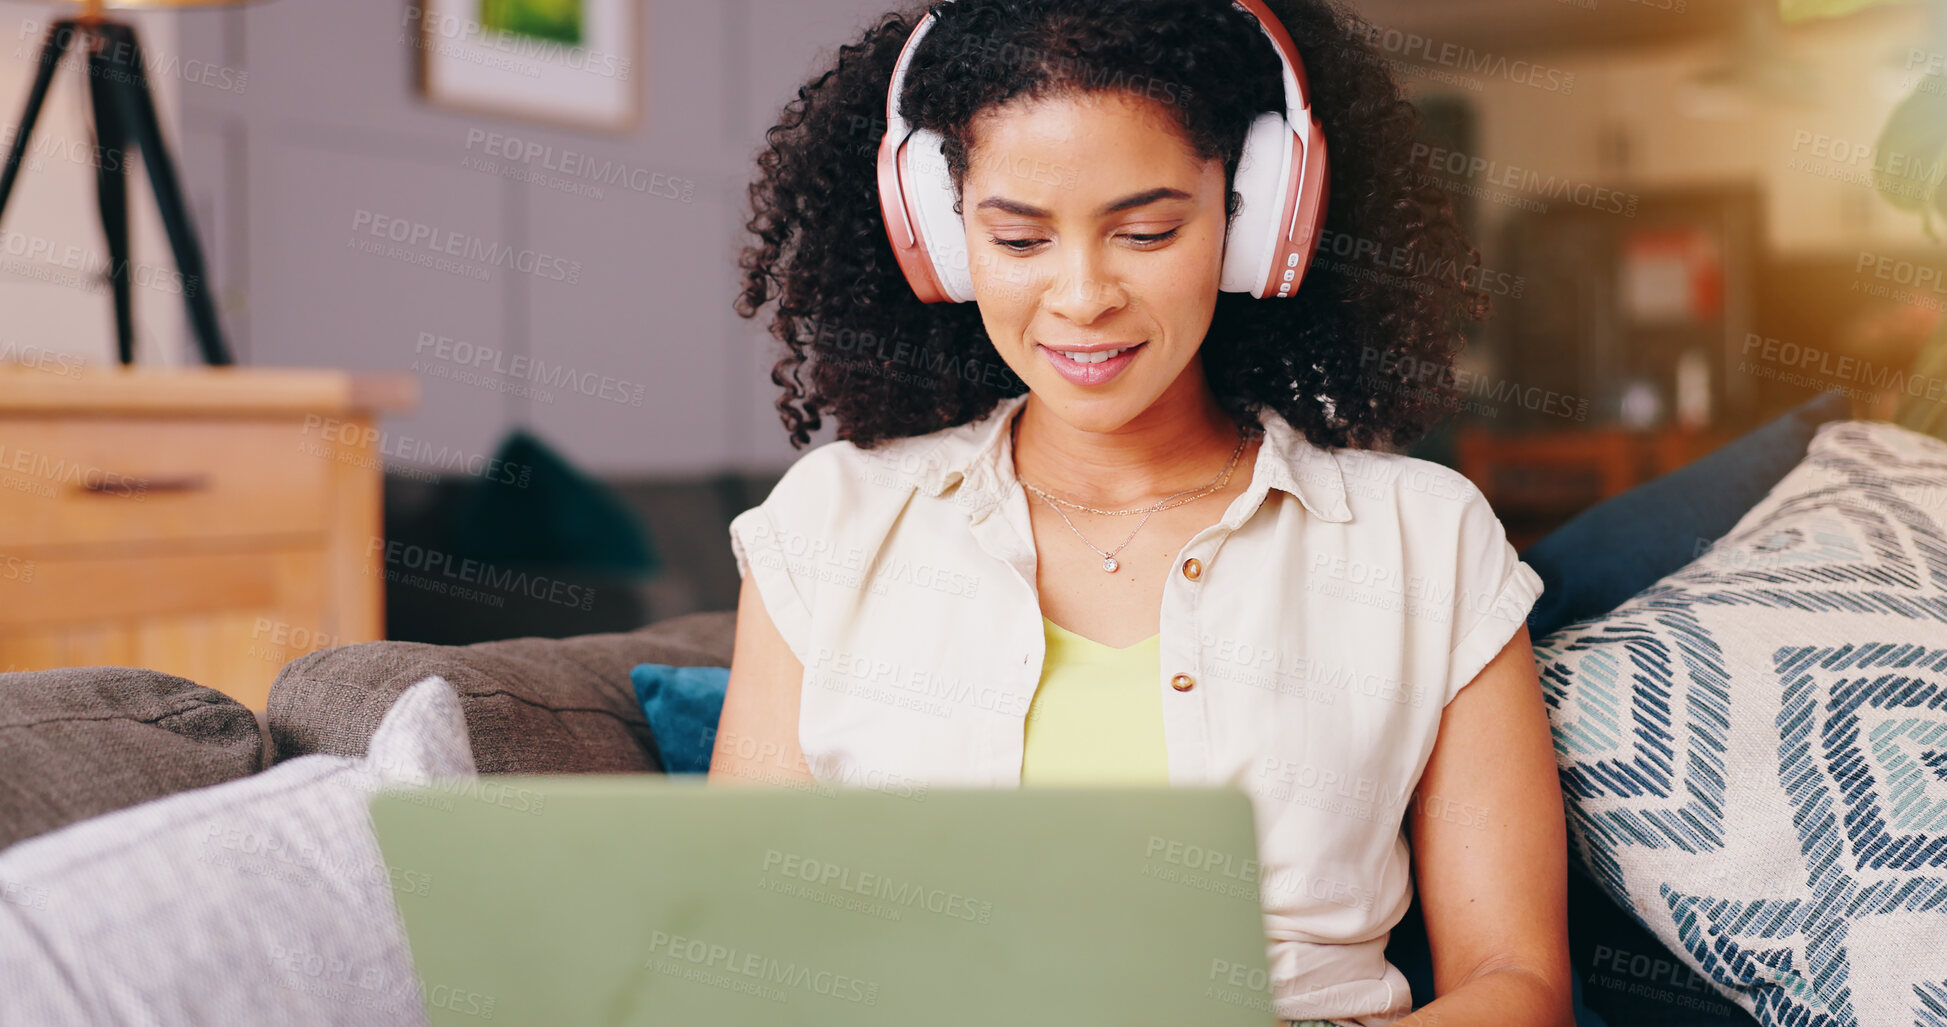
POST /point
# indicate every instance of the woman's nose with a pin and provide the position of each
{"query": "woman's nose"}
(1083, 290)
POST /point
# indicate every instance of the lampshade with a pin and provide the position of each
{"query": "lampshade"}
(141, 4)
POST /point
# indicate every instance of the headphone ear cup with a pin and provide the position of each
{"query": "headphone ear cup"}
(942, 232)
(1263, 170)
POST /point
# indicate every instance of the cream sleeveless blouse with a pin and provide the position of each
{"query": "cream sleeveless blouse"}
(1309, 641)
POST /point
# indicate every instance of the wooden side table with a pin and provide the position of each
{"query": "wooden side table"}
(213, 523)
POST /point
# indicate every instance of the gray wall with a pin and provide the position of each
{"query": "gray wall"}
(331, 124)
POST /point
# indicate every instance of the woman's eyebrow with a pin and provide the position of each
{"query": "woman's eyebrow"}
(1026, 210)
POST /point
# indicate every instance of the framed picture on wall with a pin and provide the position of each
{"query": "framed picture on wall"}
(570, 62)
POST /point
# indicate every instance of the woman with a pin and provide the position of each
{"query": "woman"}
(1118, 519)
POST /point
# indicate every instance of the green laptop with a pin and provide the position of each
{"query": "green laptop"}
(666, 901)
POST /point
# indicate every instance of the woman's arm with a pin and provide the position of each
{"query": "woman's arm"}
(1490, 853)
(757, 736)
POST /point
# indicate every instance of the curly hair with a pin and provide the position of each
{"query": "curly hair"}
(1361, 356)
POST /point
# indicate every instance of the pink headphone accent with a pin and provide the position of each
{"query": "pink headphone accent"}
(1280, 175)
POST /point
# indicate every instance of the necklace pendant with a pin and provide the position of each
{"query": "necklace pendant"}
(1109, 564)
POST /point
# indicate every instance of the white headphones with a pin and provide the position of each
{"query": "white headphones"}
(1280, 177)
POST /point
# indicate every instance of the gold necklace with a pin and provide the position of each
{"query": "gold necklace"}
(1109, 563)
(1169, 502)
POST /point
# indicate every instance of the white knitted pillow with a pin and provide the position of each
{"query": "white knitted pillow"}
(256, 901)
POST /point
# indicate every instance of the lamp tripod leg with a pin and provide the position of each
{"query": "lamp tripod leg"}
(111, 186)
(139, 116)
(52, 48)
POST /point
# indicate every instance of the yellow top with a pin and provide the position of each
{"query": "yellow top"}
(1097, 714)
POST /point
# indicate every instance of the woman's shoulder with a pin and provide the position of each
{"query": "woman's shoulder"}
(843, 462)
(1384, 485)
(841, 483)
(1397, 477)
(891, 469)
(1427, 506)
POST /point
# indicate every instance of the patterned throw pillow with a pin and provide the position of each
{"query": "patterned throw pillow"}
(1753, 751)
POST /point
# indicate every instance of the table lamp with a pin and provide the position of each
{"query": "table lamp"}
(122, 105)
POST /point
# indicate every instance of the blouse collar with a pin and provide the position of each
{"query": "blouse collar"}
(977, 454)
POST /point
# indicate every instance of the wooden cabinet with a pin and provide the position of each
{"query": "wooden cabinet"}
(213, 523)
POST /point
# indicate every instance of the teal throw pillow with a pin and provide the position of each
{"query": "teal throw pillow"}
(682, 705)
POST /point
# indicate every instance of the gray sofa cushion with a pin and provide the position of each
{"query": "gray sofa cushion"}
(532, 705)
(257, 901)
(83, 741)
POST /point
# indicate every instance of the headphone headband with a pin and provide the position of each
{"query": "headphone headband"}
(1297, 87)
(1268, 247)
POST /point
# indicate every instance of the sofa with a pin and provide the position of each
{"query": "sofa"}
(530, 706)
(81, 746)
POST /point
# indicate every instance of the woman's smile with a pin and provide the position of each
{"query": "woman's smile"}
(1094, 366)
